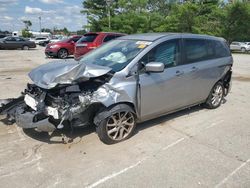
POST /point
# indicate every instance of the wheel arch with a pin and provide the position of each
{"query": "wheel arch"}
(106, 111)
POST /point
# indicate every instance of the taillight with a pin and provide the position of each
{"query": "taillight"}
(92, 46)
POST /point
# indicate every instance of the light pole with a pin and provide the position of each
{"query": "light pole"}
(109, 4)
(40, 24)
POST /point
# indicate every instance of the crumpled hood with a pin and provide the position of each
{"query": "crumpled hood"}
(49, 75)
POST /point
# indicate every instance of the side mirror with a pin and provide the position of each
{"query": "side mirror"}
(155, 67)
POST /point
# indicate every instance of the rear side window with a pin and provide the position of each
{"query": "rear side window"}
(196, 50)
(10, 39)
(88, 38)
(201, 50)
(40, 38)
(109, 37)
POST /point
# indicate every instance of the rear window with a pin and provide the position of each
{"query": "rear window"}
(88, 38)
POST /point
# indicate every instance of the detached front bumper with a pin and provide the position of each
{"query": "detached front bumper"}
(28, 120)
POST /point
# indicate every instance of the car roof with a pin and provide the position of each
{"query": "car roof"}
(155, 36)
(105, 33)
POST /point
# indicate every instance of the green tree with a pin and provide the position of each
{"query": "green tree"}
(26, 33)
(27, 24)
(235, 22)
(46, 30)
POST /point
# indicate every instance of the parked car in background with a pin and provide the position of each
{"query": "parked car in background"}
(57, 39)
(41, 40)
(239, 46)
(2, 36)
(62, 49)
(15, 43)
(248, 44)
(132, 79)
(91, 41)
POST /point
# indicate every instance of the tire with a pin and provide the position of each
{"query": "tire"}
(62, 54)
(115, 124)
(216, 96)
(25, 47)
(243, 50)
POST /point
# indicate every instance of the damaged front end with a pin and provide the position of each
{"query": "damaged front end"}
(66, 96)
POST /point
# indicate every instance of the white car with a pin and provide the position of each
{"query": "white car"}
(57, 39)
(240, 46)
(40, 40)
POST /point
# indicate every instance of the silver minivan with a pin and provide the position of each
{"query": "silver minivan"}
(131, 79)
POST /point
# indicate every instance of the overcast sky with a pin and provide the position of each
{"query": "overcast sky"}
(54, 13)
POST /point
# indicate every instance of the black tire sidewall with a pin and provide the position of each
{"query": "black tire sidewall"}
(23, 48)
(209, 99)
(102, 130)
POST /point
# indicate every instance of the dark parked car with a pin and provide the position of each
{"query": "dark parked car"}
(15, 43)
(93, 40)
(62, 49)
(128, 80)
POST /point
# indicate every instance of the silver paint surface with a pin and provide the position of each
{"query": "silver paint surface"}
(51, 74)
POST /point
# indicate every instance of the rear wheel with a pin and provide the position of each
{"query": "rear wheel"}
(118, 125)
(216, 96)
(25, 47)
(62, 54)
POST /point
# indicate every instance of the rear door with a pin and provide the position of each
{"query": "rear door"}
(205, 62)
(20, 42)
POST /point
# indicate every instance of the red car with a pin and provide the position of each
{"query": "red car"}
(62, 49)
(91, 41)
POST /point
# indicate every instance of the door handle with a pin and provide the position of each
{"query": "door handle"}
(194, 69)
(179, 73)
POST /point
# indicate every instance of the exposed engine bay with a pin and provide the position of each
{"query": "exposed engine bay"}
(49, 109)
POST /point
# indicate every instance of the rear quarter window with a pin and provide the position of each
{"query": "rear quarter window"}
(221, 49)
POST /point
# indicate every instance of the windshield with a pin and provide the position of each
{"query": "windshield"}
(116, 54)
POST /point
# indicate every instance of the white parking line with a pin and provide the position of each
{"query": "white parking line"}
(232, 173)
(130, 167)
(173, 144)
(113, 175)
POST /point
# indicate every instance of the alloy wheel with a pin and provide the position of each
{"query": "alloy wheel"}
(120, 125)
(217, 95)
(63, 54)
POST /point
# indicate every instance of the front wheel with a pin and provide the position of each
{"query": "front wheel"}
(243, 50)
(117, 126)
(215, 97)
(62, 54)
